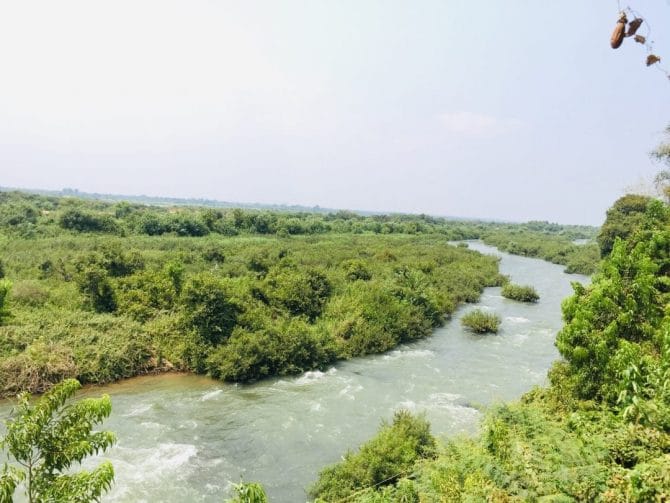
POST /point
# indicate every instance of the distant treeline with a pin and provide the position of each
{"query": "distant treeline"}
(31, 215)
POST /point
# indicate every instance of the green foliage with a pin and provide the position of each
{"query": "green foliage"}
(98, 292)
(87, 305)
(209, 309)
(285, 347)
(549, 242)
(5, 288)
(622, 219)
(84, 221)
(301, 292)
(481, 322)
(612, 325)
(249, 492)
(45, 439)
(385, 459)
(522, 293)
(355, 270)
(601, 431)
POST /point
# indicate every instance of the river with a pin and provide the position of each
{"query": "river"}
(189, 438)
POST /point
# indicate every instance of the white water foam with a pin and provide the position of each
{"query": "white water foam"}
(349, 391)
(138, 410)
(409, 353)
(312, 376)
(148, 466)
(460, 414)
(211, 394)
(151, 425)
(519, 339)
(517, 319)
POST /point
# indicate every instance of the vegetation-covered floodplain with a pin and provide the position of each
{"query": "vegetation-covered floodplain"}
(549, 242)
(104, 290)
(599, 432)
(98, 307)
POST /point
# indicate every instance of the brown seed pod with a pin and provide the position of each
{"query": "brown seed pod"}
(640, 39)
(633, 26)
(619, 32)
(652, 59)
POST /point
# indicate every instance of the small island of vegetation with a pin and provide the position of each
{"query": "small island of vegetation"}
(521, 293)
(481, 322)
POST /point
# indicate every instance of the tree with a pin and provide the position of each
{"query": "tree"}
(44, 441)
(98, 291)
(209, 309)
(623, 218)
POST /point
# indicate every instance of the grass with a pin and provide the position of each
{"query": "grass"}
(481, 322)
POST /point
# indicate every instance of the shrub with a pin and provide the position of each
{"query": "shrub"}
(37, 369)
(5, 288)
(30, 293)
(481, 322)
(283, 348)
(208, 308)
(98, 292)
(522, 293)
(300, 292)
(355, 270)
(382, 460)
(84, 221)
(249, 492)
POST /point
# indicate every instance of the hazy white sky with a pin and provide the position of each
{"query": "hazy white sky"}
(512, 110)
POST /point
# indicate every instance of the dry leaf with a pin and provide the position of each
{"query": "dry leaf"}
(633, 26)
(652, 59)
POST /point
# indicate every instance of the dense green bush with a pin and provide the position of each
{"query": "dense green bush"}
(481, 322)
(286, 347)
(301, 292)
(623, 218)
(385, 459)
(522, 293)
(85, 221)
(613, 324)
(209, 309)
(97, 289)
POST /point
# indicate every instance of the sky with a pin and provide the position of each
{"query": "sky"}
(516, 110)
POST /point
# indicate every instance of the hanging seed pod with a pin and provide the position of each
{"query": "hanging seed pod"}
(633, 26)
(652, 59)
(640, 39)
(619, 32)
